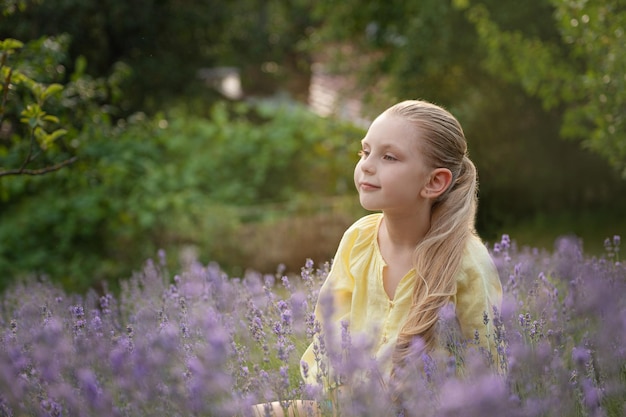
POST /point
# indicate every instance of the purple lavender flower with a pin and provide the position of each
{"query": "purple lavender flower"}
(51, 408)
(207, 344)
(581, 356)
(89, 387)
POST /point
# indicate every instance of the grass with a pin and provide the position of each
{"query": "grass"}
(592, 227)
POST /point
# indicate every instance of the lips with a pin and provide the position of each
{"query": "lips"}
(366, 186)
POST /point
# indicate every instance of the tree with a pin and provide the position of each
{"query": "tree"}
(41, 131)
(46, 113)
(435, 50)
(165, 43)
(581, 71)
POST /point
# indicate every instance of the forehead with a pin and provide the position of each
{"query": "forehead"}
(392, 131)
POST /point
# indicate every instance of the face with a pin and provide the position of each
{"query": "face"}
(391, 173)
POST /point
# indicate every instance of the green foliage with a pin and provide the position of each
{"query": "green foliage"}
(268, 153)
(169, 182)
(527, 171)
(427, 49)
(9, 7)
(581, 70)
(42, 113)
(400, 49)
(39, 127)
(165, 42)
(51, 223)
(509, 95)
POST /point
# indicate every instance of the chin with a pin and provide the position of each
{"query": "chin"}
(369, 206)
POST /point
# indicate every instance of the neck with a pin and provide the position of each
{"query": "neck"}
(403, 231)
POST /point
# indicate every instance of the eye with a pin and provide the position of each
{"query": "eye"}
(389, 158)
(363, 153)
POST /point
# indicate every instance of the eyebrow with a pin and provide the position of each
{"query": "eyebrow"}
(384, 147)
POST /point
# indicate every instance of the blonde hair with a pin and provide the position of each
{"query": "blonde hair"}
(437, 258)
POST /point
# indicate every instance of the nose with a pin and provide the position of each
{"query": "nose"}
(366, 165)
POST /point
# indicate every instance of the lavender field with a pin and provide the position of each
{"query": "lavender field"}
(200, 343)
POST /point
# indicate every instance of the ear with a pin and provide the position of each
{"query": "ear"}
(439, 181)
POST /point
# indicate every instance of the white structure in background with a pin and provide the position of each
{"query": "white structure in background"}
(329, 94)
(332, 95)
(226, 80)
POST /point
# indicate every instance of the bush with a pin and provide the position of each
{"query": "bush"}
(209, 344)
(250, 154)
(172, 182)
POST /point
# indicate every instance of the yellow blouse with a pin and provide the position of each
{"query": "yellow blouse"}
(355, 283)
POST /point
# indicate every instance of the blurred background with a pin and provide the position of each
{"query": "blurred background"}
(227, 131)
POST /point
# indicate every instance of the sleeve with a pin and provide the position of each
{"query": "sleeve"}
(332, 308)
(478, 291)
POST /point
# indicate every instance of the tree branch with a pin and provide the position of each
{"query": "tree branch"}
(28, 159)
(5, 89)
(40, 171)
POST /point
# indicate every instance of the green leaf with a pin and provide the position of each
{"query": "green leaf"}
(56, 134)
(47, 139)
(32, 115)
(10, 45)
(33, 110)
(79, 68)
(40, 135)
(51, 118)
(50, 90)
(461, 4)
(17, 77)
(37, 89)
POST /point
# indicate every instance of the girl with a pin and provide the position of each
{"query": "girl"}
(395, 270)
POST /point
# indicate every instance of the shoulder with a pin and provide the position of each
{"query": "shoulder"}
(366, 224)
(477, 266)
(476, 252)
(356, 248)
(363, 231)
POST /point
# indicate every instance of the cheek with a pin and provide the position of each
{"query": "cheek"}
(357, 170)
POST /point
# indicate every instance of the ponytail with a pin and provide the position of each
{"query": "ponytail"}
(437, 258)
